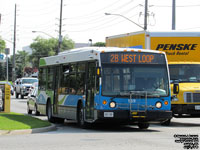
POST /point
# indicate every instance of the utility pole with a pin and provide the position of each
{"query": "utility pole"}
(7, 51)
(173, 14)
(14, 44)
(60, 28)
(145, 14)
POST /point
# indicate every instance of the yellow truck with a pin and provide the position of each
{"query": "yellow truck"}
(183, 54)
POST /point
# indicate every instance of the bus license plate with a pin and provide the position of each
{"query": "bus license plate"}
(197, 107)
(109, 114)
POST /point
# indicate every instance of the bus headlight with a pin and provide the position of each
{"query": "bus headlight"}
(112, 104)
(158, 105)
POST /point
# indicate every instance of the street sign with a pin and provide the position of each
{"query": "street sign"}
(2, 60)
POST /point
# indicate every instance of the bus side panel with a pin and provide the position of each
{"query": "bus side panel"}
(42, 100)
(67, 106)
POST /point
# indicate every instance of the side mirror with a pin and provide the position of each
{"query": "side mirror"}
(176, 88)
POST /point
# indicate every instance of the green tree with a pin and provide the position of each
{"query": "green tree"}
(22, 61)
(100, 44)
(2, 73)
(47, 47)
(2, 46)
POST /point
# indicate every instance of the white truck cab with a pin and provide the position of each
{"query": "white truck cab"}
(23, 85)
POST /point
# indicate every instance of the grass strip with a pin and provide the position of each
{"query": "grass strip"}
(16, 121)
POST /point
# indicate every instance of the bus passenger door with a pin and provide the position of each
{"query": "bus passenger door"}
(90, 90)
(56, 85)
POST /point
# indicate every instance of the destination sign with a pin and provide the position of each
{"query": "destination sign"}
(132, 58)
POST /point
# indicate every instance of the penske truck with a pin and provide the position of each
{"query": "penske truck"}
(183, 54)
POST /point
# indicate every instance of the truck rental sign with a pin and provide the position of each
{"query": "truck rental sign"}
(178, 48)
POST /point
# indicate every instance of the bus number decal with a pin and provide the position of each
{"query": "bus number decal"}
(114, 58)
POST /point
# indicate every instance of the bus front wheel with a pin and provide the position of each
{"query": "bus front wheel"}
(80, 117)
(49, 113)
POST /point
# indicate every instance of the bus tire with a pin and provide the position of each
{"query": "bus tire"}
(59, 120)
(80, 117)
(49, 113)
(143, 125)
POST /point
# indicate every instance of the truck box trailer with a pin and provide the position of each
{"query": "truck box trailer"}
(183, 54)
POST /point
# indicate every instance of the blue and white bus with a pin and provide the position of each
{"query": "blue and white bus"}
(105, 85)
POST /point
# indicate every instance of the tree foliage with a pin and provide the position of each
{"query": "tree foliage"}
(47, 47)
(2, 46)
(22, 61)
(100, 44)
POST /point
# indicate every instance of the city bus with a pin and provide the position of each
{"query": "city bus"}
(105, 85)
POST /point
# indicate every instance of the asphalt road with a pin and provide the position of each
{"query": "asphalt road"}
(69, 136)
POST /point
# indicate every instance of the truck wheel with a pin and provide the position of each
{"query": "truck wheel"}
(16, 95)
(143, 125)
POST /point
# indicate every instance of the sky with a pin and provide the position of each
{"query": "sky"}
(86, 19)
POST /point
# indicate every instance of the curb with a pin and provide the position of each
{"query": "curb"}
(28, 131)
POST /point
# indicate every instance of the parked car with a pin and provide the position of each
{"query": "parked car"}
(23, 85)
(31, 103)
(34, 85)
(11, 86)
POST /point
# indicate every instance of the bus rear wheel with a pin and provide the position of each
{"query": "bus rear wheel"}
(143, 125)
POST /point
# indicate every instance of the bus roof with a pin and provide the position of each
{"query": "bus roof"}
(86, 54)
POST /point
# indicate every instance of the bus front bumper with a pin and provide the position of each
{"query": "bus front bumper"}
(137, 116)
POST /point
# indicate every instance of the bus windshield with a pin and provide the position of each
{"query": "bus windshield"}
(117, 79)
(184, 73)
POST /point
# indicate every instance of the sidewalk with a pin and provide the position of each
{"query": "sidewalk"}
(28, 131)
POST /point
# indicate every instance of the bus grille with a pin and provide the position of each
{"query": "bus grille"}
(191, 97)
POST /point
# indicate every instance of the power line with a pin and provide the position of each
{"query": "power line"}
(100, 26)
(93, 14)
(177, 6)
(100, 19)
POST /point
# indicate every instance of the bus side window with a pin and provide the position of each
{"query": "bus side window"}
(72, 79)
(42, 79)
(50, 78)
(80, 78)
(65, 79)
